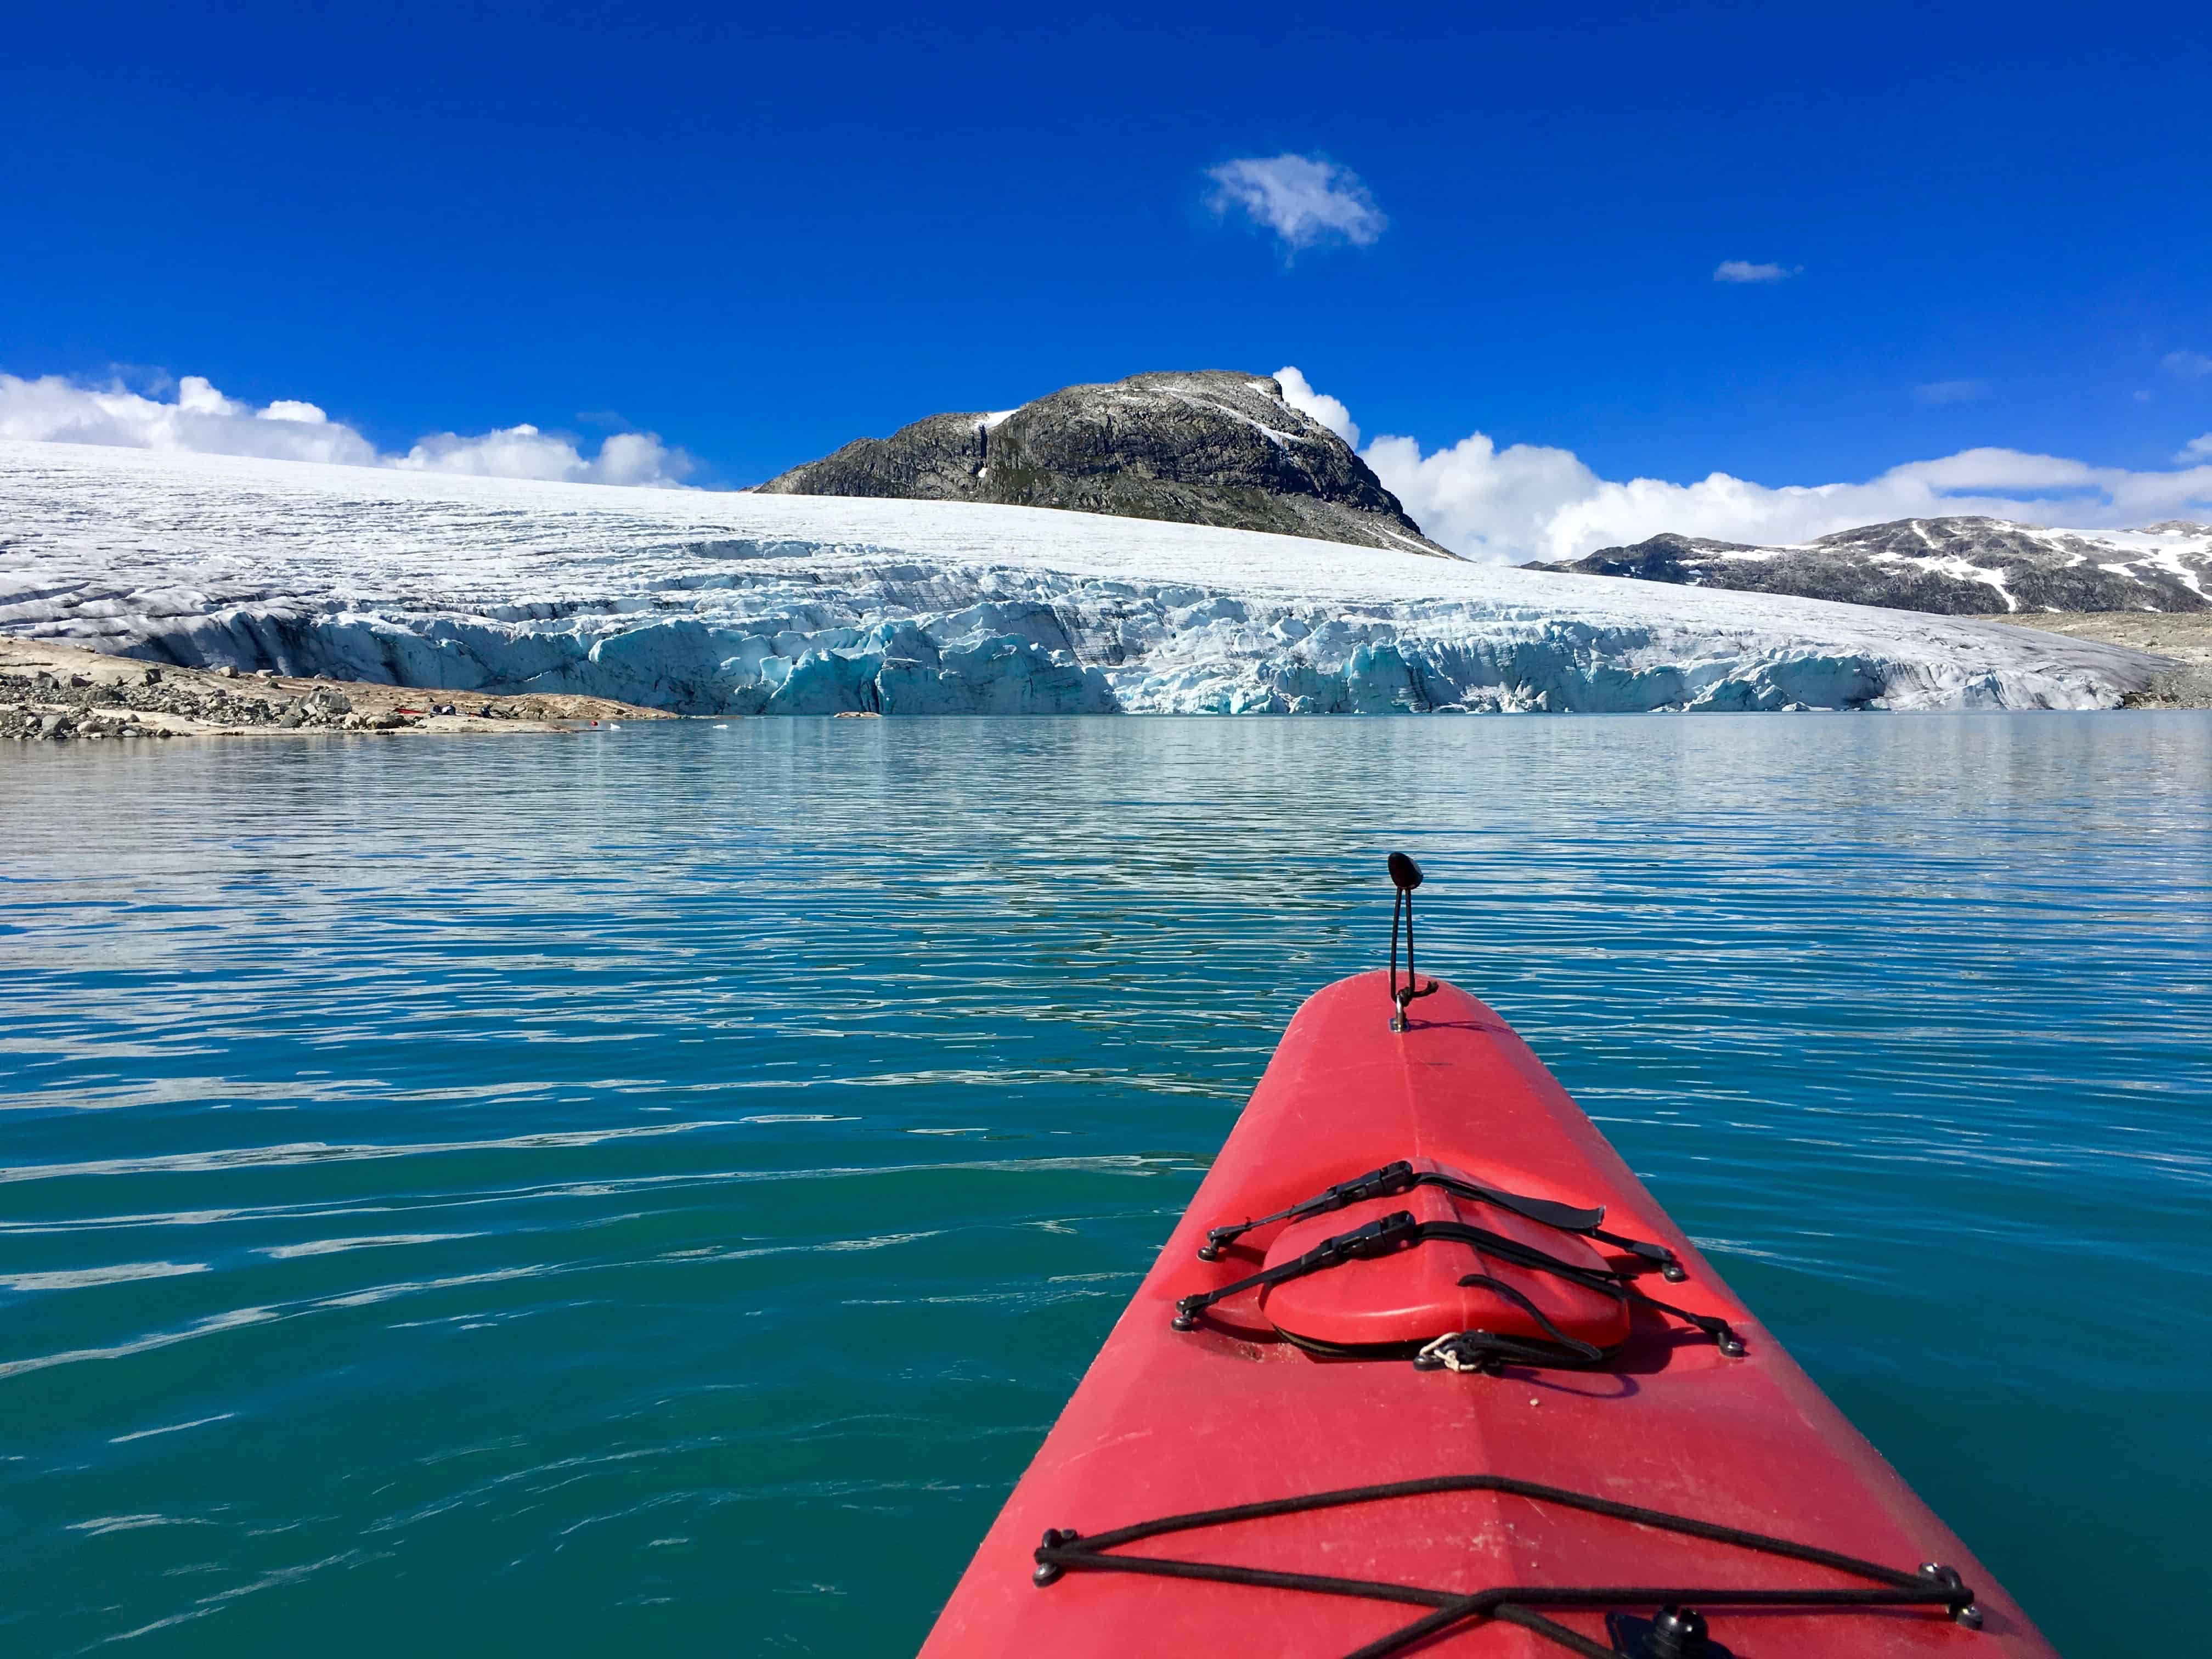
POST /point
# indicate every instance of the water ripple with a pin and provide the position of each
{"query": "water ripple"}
(607, 1163)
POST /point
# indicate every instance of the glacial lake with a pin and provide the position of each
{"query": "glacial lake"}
(649, 1191)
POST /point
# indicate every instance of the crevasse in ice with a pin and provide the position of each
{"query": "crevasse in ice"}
(720, 602)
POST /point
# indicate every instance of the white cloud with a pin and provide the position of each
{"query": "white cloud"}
(1529, 501)
(202, 421)
(524, 451)
(1329, 412)
(1743, 270)
(2190, 365)
(1305, 200)
(1951, 391)
(640, 458)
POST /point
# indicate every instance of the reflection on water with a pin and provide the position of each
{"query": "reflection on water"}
(587, 1194)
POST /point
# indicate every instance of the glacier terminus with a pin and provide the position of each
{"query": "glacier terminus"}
(719, 602)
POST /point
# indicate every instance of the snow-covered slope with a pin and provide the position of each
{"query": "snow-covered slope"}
(1961, 566)
(707, 603)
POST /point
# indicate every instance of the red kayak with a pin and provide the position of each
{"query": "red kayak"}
(1425, 1369)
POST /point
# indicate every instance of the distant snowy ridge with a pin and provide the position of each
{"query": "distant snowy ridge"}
(707, 603)
(1955, 566)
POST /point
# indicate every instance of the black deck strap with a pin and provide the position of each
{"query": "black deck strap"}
(1393, 1179)
(1596, 1278)
(1670, 1267)
(1387, 1182)
(1932, 1586)
(1392, 1232)
(1398, 1231)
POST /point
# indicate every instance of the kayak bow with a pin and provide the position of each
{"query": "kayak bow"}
(1401, 1382)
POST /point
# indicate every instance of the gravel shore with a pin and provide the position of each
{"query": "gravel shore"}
(53, 693)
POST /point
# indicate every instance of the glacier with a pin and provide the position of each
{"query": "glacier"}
(723, 603)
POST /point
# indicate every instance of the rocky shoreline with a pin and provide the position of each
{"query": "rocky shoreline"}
(2184, 638)
(53, 693)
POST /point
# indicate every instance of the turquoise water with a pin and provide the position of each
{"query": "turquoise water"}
(651, 1190)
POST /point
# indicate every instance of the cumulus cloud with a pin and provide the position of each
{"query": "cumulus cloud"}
(2189, 365)
(1532, 501)
(1951, 391)
(1304, 200)
(202, 421)
(1329, 412)
(1743, 270)
(524, 451)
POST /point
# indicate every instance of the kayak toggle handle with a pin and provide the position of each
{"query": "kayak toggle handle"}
(1405, 876)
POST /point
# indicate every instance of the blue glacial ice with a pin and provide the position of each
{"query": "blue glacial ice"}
(732, 604)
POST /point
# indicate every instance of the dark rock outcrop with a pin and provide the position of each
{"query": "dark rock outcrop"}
(1210, 447)
(1957, 567)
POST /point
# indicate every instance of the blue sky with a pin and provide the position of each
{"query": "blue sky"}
(758, 232)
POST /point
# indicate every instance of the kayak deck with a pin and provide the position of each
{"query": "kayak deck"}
(1169, 1422)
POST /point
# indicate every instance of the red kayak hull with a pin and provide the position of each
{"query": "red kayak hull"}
(1169, 1422)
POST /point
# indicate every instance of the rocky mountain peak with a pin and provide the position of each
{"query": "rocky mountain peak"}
(1210, 447)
